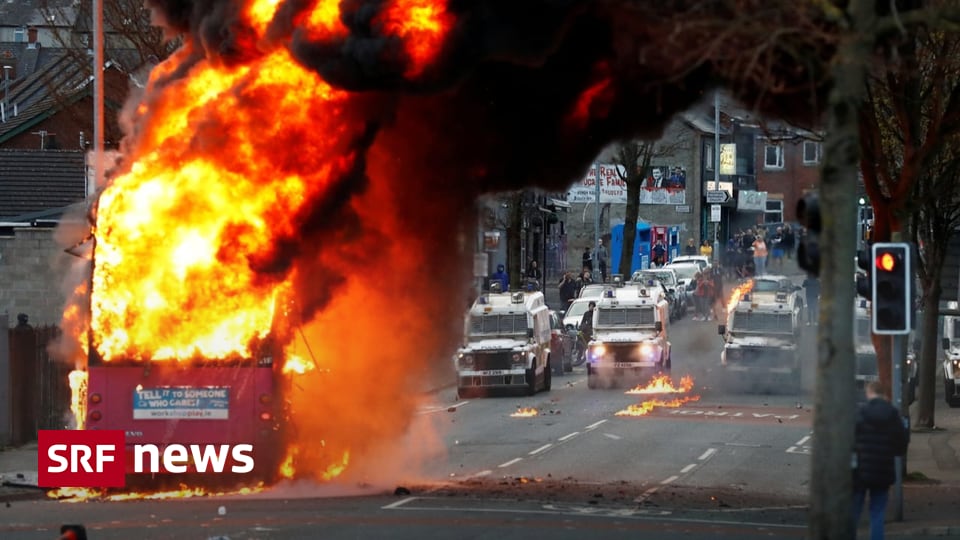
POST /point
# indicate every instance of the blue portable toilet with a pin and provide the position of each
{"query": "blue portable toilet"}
(641, 248)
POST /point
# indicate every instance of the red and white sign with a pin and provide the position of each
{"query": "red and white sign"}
(613, 189)
(96, 458)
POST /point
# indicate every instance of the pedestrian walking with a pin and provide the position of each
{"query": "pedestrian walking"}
(690, 248)
(881, 435)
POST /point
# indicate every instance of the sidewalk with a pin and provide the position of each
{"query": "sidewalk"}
(18, 474)
(931, 490)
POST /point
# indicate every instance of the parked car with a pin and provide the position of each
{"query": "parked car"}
(685, 272)
(676, 295)
(594, 290)
(573, 314)
(700, 260)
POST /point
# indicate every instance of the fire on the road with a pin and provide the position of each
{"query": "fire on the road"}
(85, 494)
(660, 385)
(663, 385)
(523, 412)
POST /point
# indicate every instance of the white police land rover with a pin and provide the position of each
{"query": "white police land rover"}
(761, 335)
(951, 358)
(630, 326)
(506, 344)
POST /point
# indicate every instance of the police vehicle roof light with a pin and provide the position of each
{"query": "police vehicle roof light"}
(608, 293)
(517, 298)
(482, 300)
(643, 292)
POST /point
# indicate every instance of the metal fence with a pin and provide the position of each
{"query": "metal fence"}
(38, 386)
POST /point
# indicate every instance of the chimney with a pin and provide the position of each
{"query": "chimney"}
(31, 35)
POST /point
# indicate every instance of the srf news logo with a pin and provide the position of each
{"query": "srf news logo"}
(97, 458)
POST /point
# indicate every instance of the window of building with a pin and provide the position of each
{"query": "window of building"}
(19, 35)
(774, 212)
(773, 156)
(708, 156)
(812, 151)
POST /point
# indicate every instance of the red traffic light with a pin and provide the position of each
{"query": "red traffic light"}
(886, 262)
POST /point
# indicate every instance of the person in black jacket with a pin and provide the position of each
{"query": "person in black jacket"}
(880, 436)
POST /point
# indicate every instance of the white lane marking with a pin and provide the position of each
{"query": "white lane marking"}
(570, 436)
(707, 454)
(803, 440)
(511, 462)
(398, 504)
(688, 468)
(637, 515)
(646, 494)
(668, 480)
(595, 424)
(541, 449)
(480, 474)
(612, 436)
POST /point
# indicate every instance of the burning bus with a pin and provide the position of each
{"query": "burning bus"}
(162, 394)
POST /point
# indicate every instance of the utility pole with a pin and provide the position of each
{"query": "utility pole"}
(596, 219)
(716, 168)
(97, 15)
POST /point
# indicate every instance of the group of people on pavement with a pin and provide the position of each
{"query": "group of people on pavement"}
(751, 252)
(598, 256)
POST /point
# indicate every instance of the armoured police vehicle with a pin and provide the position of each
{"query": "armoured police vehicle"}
(506, 344)
(630, 335)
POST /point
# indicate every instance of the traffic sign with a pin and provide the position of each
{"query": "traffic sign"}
(715, 213)
(717, 197)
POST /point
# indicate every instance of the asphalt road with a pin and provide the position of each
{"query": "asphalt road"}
(723, 465)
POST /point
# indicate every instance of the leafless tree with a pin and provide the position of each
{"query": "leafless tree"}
(908, 126)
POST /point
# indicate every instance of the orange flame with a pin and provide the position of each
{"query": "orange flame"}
(523, 412)
(78, 397)
(86, 494)
(296, 364)
(647, 407)
(663, 385)
(737, 293)
(422, 25)
(660, 385)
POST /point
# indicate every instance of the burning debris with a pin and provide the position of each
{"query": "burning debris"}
(288, 149)
(525, 412)
(660, 385)
(737, 293)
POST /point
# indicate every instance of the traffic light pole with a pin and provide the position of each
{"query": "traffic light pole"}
(896, 394)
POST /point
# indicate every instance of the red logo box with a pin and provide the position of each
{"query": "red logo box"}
(80, 458)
